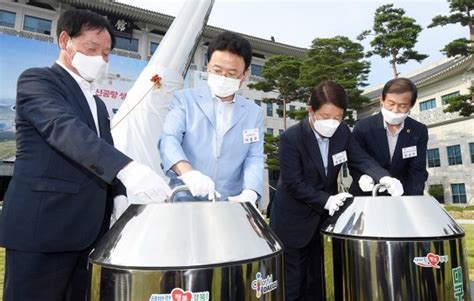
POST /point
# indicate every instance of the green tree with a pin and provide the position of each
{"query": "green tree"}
(338, 59)
(270, 148)
(460, 13)
(280, 74)
(462, 103)
(395, 36)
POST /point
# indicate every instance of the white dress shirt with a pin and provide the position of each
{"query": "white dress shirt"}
(323, 143)
(392, 138)
(223, 111)
(88, 89)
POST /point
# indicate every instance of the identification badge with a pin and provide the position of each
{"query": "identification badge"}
(409, 152)
(251, 135)
(339, 158)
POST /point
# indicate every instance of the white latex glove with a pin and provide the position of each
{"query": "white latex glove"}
(143, 185)
(247, 195)
(120, 205)
(394, 186)
(199, 184)
(366, 183)
(336, 201)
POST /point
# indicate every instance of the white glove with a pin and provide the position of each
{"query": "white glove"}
(247, 195)
(366, 183)
(394, 186)
(120, 205)
(143, 185)
(199, 184)
(336, 201)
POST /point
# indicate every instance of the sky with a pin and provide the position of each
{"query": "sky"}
(298, 22)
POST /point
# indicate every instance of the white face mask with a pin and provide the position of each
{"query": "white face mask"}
(393, 118)
(326, 127)
(91, 68)
(222, 86)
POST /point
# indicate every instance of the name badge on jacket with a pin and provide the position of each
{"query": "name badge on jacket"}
(339, 158)
(409, 152)
(251, 135)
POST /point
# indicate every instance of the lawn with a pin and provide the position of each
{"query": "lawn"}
(469, 244)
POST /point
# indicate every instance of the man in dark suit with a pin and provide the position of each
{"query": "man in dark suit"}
(311, 154)
(67, 172)
(397, 142)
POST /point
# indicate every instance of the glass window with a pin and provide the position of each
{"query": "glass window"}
(454, 155)
(37, 25)
(269, 109)
(471, 148)
(444, 98)
(433, 157)
(126, 44)
(7, 18)
(292, 108)
(206, 59)
(428, 104)
(459, 193)
(153, 47)
(270, 131)
(256, 70)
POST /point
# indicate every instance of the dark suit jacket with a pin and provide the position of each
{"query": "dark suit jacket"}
(372, 137)
(59, 196)
(303, 187)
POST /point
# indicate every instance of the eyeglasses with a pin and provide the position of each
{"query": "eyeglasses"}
(225, 74)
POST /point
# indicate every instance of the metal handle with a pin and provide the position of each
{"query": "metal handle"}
(181, 188)
(377, 187)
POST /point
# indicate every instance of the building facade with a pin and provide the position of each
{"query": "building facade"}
(450, 155)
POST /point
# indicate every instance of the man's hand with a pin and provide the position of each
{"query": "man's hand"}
(336, 201)
(394, 186)
(366, 183)
(247, 195)
(143, 185)
(199, 184)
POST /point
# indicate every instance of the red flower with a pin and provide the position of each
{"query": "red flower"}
(156, 79)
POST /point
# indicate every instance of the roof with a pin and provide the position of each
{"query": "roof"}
(426, 75)
(164, 21)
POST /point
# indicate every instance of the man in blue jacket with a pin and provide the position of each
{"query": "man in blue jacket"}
(396, 141)
(213, 138)
(67, 171)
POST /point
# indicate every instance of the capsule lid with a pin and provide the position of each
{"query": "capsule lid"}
(394, 217)
(186, 234)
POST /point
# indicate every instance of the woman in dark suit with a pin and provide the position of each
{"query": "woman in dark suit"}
(311, 154)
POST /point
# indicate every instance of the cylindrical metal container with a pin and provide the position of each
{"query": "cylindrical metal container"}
(395, 248)
(188, 251)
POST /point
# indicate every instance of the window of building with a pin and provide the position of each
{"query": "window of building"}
(153, 47)
(454, 155)
(433, 157)
(459, 193)
(269, 109)
(270, 131)
(206, 59)
(256, 69)
(38, 25)
(126, 44)
(7, 18)
(444, 98)
(292, 108)
(280, 132)
(471, 149)
(428, 104)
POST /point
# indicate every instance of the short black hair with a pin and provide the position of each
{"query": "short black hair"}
(232, 42)
(400, 85)
(75, 21)
(328, 92)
